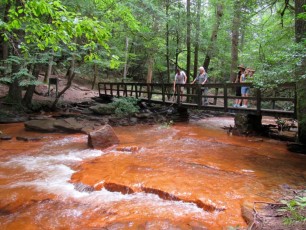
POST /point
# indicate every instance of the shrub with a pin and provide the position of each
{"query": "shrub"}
(125, 106)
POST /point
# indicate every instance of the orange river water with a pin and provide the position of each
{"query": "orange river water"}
(186, 176)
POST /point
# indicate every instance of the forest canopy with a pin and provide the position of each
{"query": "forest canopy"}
(148, 39)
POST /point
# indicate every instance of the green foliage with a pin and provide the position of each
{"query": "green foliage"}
(125, 106)
(294, 208)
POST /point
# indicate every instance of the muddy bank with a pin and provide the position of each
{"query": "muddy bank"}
(288, 213)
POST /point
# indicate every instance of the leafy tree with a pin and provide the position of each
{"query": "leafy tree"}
(51, 25)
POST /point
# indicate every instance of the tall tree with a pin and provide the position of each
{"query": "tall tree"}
(300, 30)
(235, 38)
(214, 34)
(188, 40)
(167, 41)
(197, 37)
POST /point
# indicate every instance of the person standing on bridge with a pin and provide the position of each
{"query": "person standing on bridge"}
(245, 90)
(180, 78)
(202, 79)
(238, 102)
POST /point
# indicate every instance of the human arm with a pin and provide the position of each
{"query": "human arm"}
(185, 78)
(174, 82)
(194, 80)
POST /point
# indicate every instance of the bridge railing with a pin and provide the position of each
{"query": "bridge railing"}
(278, 101)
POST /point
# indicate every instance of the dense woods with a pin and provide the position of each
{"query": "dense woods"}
(144, 41)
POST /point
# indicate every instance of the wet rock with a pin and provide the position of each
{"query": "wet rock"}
(162, 194)
(5, 137)
(103, 109)
(297, 148)
(143, 115)
(247, 212)
(128, 149)
(70, 125)
(208, 205)
(40, 117)
(28, 138)
(45, 125)
(113, 187)
(7, 120)
(83, 187)
(102, 138)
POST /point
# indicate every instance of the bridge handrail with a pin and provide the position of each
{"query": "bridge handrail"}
(193, 94)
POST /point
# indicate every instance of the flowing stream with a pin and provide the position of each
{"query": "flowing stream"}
(186, 176)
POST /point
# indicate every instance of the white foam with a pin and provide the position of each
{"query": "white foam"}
(53, 171)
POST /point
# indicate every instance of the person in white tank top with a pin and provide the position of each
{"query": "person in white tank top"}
(179, 78)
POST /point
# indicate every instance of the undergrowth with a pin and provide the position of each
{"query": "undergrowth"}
(295, 210)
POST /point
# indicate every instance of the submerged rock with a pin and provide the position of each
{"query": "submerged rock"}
(28, 138)
(102, 138)
(5, 137)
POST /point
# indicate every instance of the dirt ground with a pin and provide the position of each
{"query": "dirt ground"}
(76, 93)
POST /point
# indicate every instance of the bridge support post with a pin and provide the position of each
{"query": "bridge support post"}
(248, 123)
(225, 98)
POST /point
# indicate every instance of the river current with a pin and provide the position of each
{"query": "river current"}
(185, 176)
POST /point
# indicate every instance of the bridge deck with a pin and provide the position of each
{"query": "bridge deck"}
(278, 102)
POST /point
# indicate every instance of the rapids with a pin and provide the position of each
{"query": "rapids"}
(186, 176)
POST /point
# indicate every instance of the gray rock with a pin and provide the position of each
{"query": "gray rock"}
(70, 125)
(7, 120)
(103, 109)
(5, 137)
(46, 125)
(28, 138)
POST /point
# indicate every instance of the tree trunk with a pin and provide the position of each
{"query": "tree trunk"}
(167, 41)
(27, 98)
(126, 57)
(235, 38)
(95, 67)
(188, 41)
(300, 28)
(150, 69)
(70, 76)
(4, 50)
(214, 35)
(15, 93)
(197, 38)
(49, 69)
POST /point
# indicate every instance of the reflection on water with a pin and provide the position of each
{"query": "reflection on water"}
(182, 177)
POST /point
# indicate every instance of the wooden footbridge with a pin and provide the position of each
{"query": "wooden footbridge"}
(278, 102)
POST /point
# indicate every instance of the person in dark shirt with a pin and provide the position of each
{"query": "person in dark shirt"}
(238, 102)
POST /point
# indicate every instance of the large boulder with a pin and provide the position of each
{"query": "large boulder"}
(102, 138)
(45, 125)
